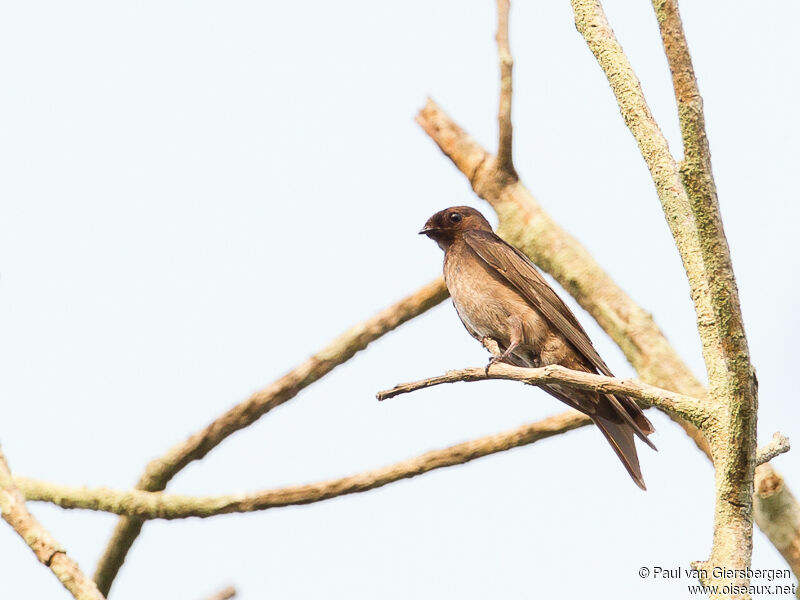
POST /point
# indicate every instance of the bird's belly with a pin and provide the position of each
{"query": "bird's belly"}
(487, 318)
(488, 306)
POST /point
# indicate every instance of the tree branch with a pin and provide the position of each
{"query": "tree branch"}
(44, 546)
(592, 24)
(679, 405)
(696, 164)
(156, 505)
(776, 446)
(505, 160)
(697, 229)
(159, 471)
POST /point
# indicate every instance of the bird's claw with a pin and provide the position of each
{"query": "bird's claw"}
(493, 360)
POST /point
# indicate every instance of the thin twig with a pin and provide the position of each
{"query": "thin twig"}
(157, 505)
(776, 446)
(159, 471)
(685, 407)
(49, 552)
(505, 160)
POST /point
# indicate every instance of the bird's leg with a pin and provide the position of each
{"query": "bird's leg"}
(515, 327)
(502, 357)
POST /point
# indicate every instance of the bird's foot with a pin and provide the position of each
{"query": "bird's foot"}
(495, 359)
(494, 348)
(504, 357)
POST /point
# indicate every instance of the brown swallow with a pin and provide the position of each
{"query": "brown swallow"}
(501, 297)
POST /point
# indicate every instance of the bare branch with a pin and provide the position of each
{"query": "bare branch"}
(156, 505)
(685, 407)
(159, 471)
(732, 380)
(697, 229)
(593, 25)
(776, 446)
(696, 165)
(44, 546)
(505, 160)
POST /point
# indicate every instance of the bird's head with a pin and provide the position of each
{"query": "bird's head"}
(446, 225)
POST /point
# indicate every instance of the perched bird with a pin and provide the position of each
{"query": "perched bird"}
(501, 297)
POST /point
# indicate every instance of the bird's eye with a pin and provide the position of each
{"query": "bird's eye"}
(455, 217)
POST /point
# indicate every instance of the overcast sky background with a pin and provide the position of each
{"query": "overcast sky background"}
(197, 195)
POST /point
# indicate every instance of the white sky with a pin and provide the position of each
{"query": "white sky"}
(197, 195)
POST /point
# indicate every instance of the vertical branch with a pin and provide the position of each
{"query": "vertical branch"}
(692, 213)
(44, 546)
(505, 160)
(736, 386)
(696, 164)
(698, 183)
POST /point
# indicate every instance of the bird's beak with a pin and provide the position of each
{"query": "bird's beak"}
(426, 230)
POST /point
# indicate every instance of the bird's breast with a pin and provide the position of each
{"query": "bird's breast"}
(485, 300)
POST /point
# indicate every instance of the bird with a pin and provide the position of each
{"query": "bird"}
(501, 298)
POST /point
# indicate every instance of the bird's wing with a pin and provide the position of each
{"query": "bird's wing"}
(520, 272)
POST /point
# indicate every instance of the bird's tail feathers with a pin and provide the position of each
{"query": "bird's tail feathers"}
(630, 412)
(638, 416)
(620, 436)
